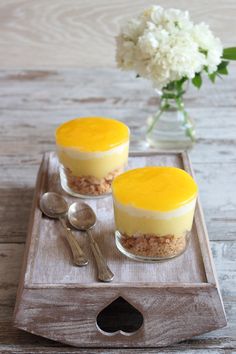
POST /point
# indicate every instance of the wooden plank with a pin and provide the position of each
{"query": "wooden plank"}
(82, 34)
(69, 315)
(120, 90)
(42, 349)
(11, 258)
(222, 338)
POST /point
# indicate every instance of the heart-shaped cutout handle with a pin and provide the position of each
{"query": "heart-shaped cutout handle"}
(119, 317)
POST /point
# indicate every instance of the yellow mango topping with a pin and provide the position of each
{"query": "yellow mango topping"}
(92, 134)
(154, 188)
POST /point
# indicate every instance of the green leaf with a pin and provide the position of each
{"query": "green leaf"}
(229, 53)
(197, 80)
(212, 77)
(179, 83)
(223, 71)
(223, 64)
(222, 68)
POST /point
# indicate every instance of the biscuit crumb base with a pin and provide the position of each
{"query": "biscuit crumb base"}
(89, 185)
(154, 246)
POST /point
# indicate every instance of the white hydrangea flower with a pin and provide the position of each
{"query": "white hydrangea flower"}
(210, 44)
(164, 46)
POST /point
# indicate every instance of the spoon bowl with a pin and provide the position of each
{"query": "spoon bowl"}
(81, 216)
(53, 205)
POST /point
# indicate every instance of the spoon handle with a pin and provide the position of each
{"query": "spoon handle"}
(79, 257)
(104, 272)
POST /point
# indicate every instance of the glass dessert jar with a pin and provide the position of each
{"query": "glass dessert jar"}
(154, 209)
(92, 151)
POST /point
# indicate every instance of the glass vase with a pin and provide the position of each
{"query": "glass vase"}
(170, 128)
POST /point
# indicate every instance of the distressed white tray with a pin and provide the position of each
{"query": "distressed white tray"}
(178, 299)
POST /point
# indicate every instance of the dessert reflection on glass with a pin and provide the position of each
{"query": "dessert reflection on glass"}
(154, 209)
(92, 151)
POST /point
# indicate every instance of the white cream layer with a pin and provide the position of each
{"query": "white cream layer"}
(76, 153)
(161, 215)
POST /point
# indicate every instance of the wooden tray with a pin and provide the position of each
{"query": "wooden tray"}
(177, 299)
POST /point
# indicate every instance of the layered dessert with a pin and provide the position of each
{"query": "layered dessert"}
(92, 151)
(154, 209)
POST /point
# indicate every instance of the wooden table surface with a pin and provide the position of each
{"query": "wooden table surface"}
(34, 102)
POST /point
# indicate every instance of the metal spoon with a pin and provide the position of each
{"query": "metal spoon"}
(83, 218)
(54, 206)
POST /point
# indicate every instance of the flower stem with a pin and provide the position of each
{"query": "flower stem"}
(188, 124)
(155, 120)
(164, 107)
